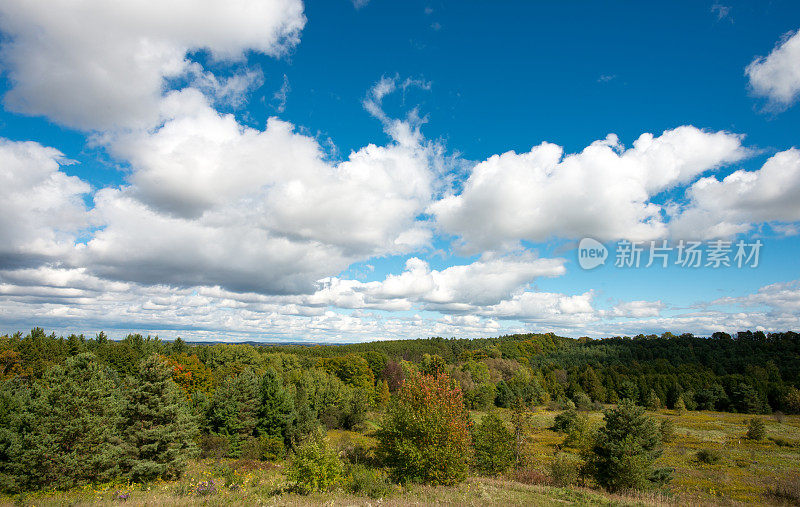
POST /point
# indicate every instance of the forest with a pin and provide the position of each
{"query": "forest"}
(77, 410)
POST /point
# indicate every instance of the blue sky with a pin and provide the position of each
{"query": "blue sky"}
(330, 171)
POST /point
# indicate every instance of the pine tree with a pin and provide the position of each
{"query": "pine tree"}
(625, 449)
(276, 410)
(305, 421)
(159, 430)
(680, 406)
(73, 421)
(234, 409)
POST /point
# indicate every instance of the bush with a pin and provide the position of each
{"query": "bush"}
(582, 401)
(756, 429)
(365, 481)
(788, 490)
(782, 442)
(565, 421)
(625, 449)
(564, 470)
(708, 456)
(425, 434)
(531, 475)
(493, 446)
(315, 467)
(580, 434)
(667, 430)
(213, 446)
(265, 448)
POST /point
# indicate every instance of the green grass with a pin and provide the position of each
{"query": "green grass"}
(746, 473)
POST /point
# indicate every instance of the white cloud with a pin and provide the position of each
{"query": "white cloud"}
(486, 281)
(777, 75)
(638, 309)
(201, 161)
(602, 192)
(282, 95)
(43, 208)
(225, 248)
(101, 64)
(732, 205)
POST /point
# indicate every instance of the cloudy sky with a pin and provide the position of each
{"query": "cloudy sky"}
(355, 170)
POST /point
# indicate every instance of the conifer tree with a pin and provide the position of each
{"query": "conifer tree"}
(276, 410)
(625, 450)
(72, 427)
(234, 409)
(159, 430)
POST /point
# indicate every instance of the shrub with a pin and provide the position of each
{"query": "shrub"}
(425, 434)
(667, 430)
(782, 442)
(362, 480)
(213, 446)
(233, 479)
(625, 449)
(582, 401)
(531, 475)
(708, 456)
(580, 434)
(564, 470)
(315, 467)
(265, 448)
(788, 490)
(564, 421)
(756, 429)
(493, 446)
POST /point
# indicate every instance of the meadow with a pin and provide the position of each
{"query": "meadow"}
(742, 471)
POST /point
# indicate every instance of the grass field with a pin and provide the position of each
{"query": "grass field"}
(746, 472)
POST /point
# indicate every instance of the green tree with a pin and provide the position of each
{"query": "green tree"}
(425, 434)
(493, 445)
(625, 449)
(233, 411)
(680, 405)
(382, 396)
(159, 430)
(68, 427)
(276, 408)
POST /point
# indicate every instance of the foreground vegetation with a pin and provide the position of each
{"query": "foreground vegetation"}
(746, 471)
(519, 419)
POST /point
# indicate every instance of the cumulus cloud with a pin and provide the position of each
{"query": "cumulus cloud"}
(603, 191)
(722, 208)
(43, 208)
(457, 288)
(777, 75)
(212, 202)
(100, 64)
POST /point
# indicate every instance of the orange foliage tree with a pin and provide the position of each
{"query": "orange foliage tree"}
(425, 435)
